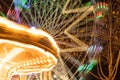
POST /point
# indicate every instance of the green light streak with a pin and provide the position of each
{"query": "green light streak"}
(2, 14)
(88, 3)
(90, 66)
(82, 67)
(87, 67)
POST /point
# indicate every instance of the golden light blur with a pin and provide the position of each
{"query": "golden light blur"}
(23, 50)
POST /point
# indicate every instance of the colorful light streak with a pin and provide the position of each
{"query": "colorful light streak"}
(22, 3)
(19, 4)
(12, 15)
(100, 9)
(94, 49)
(86, 68)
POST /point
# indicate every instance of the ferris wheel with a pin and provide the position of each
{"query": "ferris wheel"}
(75, 27)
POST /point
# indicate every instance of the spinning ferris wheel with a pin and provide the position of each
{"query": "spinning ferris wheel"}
(69, 23)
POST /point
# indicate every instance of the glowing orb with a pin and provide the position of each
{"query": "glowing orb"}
(24, 50)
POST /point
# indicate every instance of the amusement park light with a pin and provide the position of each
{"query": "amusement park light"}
(24, 51)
